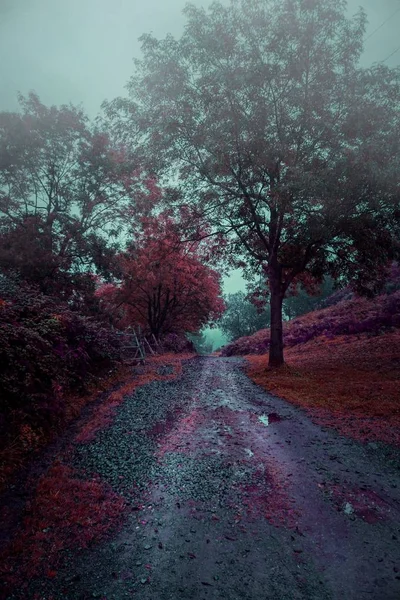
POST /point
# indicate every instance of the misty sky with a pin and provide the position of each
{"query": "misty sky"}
(81, 51)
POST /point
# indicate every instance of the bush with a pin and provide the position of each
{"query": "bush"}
(46, 351)
(178, 343)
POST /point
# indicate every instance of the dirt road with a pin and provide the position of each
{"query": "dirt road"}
(237, 495)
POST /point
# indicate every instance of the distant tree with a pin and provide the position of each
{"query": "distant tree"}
(242, 317)
(201, 343)
(262, 116)
(63, 191)
(301, 302)
(165, 287)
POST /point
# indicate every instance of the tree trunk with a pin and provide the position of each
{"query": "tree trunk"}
(276, 341)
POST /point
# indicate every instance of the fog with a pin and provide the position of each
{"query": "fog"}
(82, 51)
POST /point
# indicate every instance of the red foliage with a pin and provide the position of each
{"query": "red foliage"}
(50, 356)
(166, 286)
(46, 351)
(67, 513)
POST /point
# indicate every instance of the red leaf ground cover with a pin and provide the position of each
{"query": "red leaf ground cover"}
(347, 382)
(66, 513)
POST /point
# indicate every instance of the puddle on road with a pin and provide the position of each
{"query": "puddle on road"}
(270, 418)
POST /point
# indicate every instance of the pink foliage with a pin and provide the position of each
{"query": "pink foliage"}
(166, 286)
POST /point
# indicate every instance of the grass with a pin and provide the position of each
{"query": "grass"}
(347, 382)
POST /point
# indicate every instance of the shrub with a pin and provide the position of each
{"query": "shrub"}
(174, 342)
(46, 351)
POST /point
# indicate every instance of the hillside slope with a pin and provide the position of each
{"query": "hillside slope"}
(342, 366)
(349, 317)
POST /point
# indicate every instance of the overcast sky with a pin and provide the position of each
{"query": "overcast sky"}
(81, 51)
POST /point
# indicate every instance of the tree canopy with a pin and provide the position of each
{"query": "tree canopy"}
(268, 127)
(241, 317)
(63, 192)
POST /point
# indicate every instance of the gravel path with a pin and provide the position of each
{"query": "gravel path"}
(235, 494)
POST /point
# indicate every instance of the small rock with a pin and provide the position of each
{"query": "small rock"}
(348, 509)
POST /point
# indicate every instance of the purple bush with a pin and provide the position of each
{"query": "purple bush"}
(178, 343)
(46, 351)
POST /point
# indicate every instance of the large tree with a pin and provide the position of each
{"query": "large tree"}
(262, 116)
